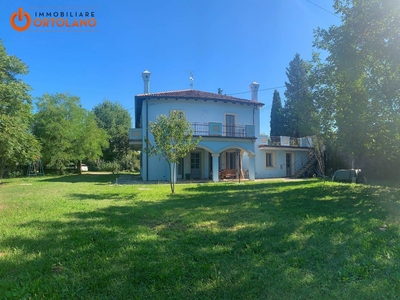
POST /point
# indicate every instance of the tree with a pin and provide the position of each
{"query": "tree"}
(173, 138)
(362, 74)
(17, 144)
(67, 131)
(117, 121)
(277, 121)
(299, 111)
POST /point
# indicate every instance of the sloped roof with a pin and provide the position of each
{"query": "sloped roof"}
(196, 94)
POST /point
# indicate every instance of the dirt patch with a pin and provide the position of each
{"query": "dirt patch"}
(3, 254)
(2, 206)
(57, 269)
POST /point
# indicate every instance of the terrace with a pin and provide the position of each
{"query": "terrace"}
(304, 142)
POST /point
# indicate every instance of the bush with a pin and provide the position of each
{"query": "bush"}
(130, 162)
(108, 166)
(14, 174)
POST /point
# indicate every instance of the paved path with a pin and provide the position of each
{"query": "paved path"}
(136, 179)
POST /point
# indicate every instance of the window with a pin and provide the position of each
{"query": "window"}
(269, 160)
(195, 160)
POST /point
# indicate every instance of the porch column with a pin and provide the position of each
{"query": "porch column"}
(252, 166)
(215, 166)
(173, 175)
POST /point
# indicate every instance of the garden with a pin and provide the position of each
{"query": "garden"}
(85, 237)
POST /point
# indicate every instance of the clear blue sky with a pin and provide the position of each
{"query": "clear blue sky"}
(226, 43)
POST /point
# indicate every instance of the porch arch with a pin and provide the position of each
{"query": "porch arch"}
(236, 147)
(206, 148)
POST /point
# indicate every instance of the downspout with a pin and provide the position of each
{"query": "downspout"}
(147, 138)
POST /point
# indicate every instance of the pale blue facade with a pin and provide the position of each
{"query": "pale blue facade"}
(230, 131)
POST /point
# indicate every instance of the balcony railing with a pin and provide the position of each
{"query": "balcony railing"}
(206, 129)
(290, 141)
(218, 129)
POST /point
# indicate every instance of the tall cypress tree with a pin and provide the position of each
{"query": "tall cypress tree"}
(276, 115)
(299, 110)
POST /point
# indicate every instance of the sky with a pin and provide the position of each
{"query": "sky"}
(227, 44)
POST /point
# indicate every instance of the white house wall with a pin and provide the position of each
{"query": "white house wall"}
(279, 162)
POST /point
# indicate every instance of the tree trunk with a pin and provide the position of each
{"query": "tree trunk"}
(2, 167)
(172, 178)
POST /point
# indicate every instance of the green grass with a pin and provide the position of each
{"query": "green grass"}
(80, 237)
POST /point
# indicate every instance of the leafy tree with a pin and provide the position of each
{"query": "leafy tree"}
(17, 144)
(277, 121)
(361, 78)
(67, 131)
(173, 138)
(117, 121)
(299, 110)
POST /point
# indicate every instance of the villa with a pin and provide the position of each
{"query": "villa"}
(231, 144)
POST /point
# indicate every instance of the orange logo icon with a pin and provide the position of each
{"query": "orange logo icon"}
(20, 14)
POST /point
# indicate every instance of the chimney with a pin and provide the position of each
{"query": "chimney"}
(146, 79)
(254, 91)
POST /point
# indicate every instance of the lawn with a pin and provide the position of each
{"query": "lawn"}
(81, 237)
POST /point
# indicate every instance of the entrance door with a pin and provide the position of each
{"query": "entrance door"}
(288, 164)
(195, 172)
(231, 160)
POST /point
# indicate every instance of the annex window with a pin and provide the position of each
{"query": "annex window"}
(269, 160)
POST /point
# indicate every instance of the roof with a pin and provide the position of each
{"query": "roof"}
(196, 94)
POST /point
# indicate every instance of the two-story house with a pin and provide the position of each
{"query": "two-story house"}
(230, 131)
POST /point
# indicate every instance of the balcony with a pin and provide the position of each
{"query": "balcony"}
(218, 129)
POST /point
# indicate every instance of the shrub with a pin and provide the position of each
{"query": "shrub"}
(130, 161)
(108, 166)
(14, 174)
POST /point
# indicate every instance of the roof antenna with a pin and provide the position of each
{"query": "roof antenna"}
(191, 78)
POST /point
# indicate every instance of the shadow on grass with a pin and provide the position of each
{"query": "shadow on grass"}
(275, 240)
(105, 196)
(77, 178)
